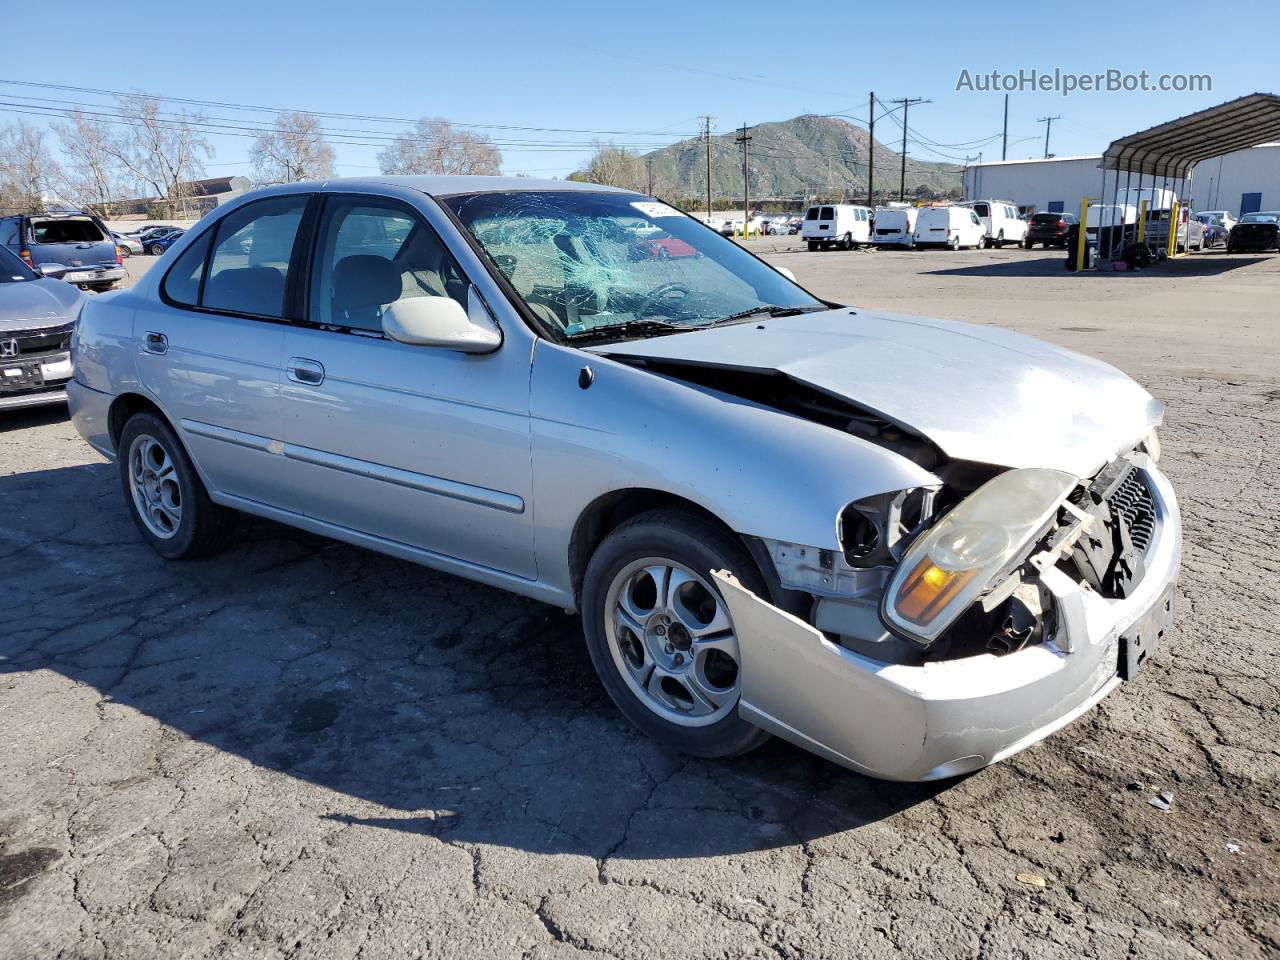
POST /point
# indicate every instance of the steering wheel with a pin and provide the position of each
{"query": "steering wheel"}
(657, 293)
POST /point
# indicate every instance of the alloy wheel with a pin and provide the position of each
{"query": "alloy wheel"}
(154, 484)
(673, 642)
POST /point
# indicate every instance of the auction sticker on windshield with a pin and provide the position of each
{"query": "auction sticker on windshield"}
(654, 209)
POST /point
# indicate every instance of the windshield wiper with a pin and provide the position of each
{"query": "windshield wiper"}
(609, 331)
(766, 310)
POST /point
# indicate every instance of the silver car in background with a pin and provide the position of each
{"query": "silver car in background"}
(37, 315)
(911, 546)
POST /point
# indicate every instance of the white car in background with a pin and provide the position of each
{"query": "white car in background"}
(1000, 221)
(895, 226)
(952, 227)
(836, 223)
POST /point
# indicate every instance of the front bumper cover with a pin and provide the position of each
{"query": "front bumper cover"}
(943, 718)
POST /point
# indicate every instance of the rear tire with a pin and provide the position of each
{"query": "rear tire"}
(636, 636)
(166, 498)
(813, 246)
(953, 244)
(156, 250)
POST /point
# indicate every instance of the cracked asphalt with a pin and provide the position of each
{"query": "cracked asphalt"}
(301, 749)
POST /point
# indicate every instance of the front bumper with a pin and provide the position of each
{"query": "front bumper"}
(26, 382)
(944, 718)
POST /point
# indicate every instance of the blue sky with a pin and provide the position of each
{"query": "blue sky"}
(647, 70)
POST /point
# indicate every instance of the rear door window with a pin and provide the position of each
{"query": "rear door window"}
(249, 267)
(982, 210)
(828, 213)
(812, 214)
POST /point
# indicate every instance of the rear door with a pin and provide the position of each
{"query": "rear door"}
(210, 345)
(415, 445)
(73, 241)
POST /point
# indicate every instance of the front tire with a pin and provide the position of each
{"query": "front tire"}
(167, 500)
(660, 635)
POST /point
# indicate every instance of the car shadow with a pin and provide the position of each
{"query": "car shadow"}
(422, 702)
(1208, 263)
(24, 417)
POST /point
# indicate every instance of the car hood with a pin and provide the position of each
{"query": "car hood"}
(979, 393)
(37, 303)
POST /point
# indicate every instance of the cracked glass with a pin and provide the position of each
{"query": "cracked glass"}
(593, 264)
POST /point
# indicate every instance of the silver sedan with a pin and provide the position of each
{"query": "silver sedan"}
(912, 546)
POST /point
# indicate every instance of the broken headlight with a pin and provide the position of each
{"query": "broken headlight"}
(1151, 445)
(949, 565)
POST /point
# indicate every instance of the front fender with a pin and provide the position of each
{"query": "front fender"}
(762, 472)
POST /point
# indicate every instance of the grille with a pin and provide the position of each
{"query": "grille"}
(54, 340)
(1132, 500)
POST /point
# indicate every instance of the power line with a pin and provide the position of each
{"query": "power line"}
(319, 113)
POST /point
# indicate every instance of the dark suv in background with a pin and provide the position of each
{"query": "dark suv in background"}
(73, 246)
(1051, 229)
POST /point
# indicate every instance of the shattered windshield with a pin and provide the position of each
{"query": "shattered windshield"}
(594, 265)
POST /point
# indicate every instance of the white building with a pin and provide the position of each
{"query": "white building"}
(1239, 182)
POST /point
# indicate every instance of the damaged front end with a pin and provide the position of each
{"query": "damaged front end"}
(953, 631)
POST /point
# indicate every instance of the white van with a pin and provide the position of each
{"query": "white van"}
(836, 223)
(1001, 222)
(894, 227)
(952, 227)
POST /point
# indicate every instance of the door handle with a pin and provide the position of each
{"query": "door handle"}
(154, 342)
(302, 370)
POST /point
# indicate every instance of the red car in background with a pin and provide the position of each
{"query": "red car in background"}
(665, 248)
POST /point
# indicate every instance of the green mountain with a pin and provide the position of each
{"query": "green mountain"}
(809, 155)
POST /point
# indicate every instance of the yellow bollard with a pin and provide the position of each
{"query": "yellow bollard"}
(1081, 239)
(1142, 220)
(1173, 230)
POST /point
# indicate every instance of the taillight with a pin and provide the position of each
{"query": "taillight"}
(948, 231)
(119, 257)
(1061, 224)
(26, 258)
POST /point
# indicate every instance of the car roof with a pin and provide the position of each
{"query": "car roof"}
(445, 185)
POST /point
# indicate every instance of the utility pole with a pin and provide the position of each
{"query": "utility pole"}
(706, 136)
(1004, 143)
(648, 166)
(746, 183)
(906, 105)
(871, 148)
(1048, 125)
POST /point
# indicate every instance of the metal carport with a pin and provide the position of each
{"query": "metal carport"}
(1169, 152)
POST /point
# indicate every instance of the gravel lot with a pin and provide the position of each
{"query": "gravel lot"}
(300, 749)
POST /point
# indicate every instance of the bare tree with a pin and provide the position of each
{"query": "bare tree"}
(28, 171)
(92, 176)
(434, 146)
(164, 152)
(293, 149)
(616, 167)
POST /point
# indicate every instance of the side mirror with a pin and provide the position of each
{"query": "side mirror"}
(442, 322)
(787, 273)
(53, 271)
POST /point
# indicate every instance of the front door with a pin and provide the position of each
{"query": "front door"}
(416, 445)
(209, 348)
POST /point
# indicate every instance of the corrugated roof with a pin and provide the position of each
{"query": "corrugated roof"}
(1172, 149)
